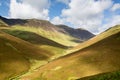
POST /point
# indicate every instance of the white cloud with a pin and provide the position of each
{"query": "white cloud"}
(29, 9)
(115, 20)
(115, 7)
(87, 14)
(57, 20)
(64, 1)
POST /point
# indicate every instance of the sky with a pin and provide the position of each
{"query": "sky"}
(93, 15)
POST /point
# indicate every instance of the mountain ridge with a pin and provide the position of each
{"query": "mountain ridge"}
(46, 25)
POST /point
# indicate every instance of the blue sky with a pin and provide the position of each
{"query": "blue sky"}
(93, 15)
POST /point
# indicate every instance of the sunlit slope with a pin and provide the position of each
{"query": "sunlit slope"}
(16, 55)
(103, 35)
(100, 57)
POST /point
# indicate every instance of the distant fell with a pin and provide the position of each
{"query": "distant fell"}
(77, 33)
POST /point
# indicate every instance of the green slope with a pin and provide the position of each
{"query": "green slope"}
(100, 57)
(52, 35)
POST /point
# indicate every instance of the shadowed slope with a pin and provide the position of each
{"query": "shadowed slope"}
(100, 57)
(28, 48)
(82, 34)
(33, 38)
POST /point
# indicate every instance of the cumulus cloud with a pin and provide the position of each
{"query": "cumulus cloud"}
(87, 14)
(29, 9)
(115, 7)
(115, 20)
(64, 1)
(57, 20)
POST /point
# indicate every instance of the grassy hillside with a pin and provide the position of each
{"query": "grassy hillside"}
(99, 57)
(52, 35)
(17, 56)
(105, 76)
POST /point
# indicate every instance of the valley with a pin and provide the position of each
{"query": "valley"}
(32, 49)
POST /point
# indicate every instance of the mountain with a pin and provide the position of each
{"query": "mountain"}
(77, 33)
(22, 51)
(46, 29)
(100, 56)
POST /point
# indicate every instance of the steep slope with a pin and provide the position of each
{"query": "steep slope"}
(82, 34)
(103, 35)
(50, 31)
(16, 56)
(100, 57)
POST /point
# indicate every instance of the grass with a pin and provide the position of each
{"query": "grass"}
(107, 33)
(101, 57)
(105, 76)
(10, 61)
